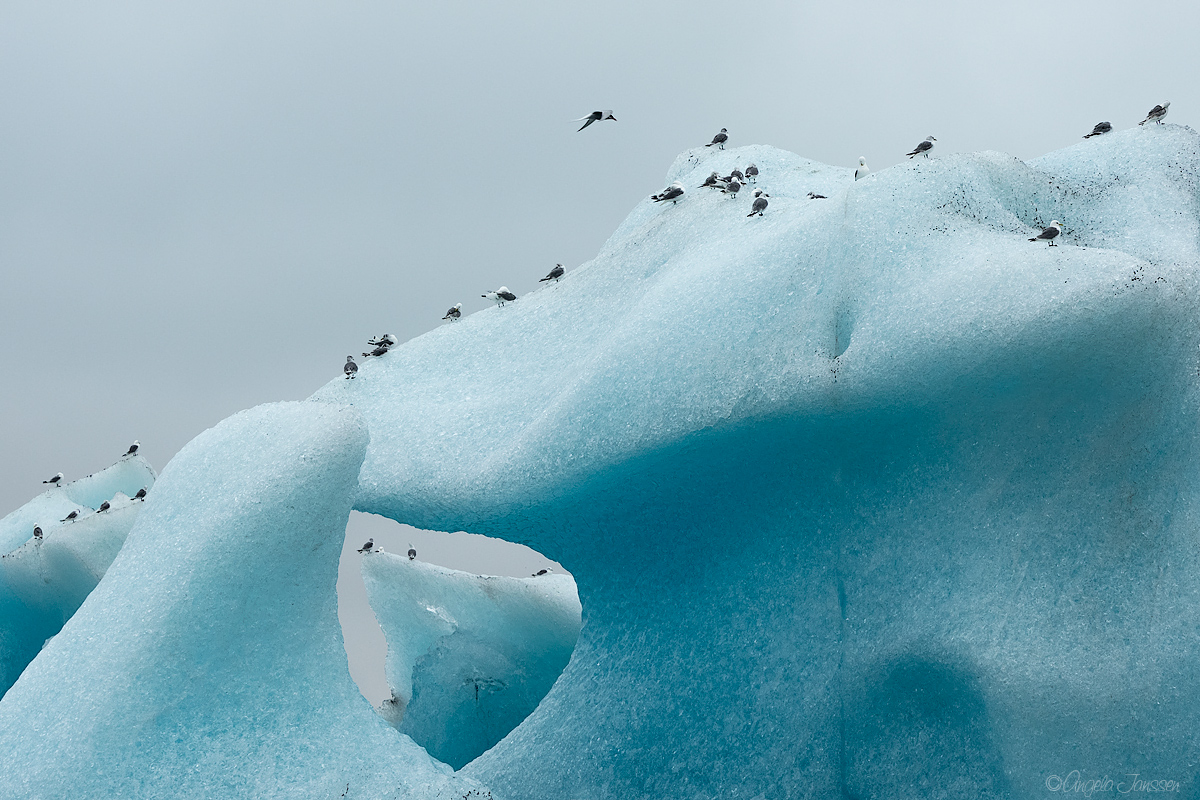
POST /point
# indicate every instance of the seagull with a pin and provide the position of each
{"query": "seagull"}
(720, 139)
(454, 313)
(737, 173)
(554, 275)
(412, 552)
(378, 351)
(105, 506)
(501, 295)
(760, 203)
(815, 196)
(351, 369)
(141, 494)
(133, 448)
(1101, 127)
(540, 572)
(387, 339)
(37, 533)
(751, 172)
(1048, 235)
(733, 187)
(1157, 113)
(70, 516)
(711, 180)
(366, 548)
(923, 147)
(863, 170)
(672, 193)
(55, 479)
(596, 116)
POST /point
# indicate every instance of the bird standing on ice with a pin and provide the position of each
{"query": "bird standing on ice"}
(863, 170)
(412, 552)
(751, 173)
(37, 533)
(923, 147)
(454, 313)
(501, 295)
(733, 187)
(141, 494)
(1101, 128)
(554, 275)
(70, 516)
(760, 203)
(672, 193)
(366, 548)
(105, 506)
(1049, 234)
(351, 369)
(596, 116)
(720, 139)
(133, 448)
(382, 344)
(55, 479)
(1157, 113)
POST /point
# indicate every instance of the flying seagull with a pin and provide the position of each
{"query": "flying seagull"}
(672, 193)
(70, 516)
(366, 548)
(55, 479)
(141, 494)
(1048, 235)
(863, 170)
(133, 448)
(751, 172)
(351, 369)
(554, 275)
(37, 533)
(412, 552)
(760, 203)
(454, 313)
(1157, 113)
(1101, 127)
(596, 116)
(923, 147)
(815, 196)
(733, 187)
(720, 139)
(105, 506)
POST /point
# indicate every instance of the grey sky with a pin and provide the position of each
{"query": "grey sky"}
(206, 205)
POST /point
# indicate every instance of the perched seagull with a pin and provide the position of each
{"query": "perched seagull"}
(554, 275)
(133, 448)
(720, 139)
(923, 147)
(351, 369)
(540, 572)
(501, 295)
(1048, 235)
(366, 548)
(863, 170)
(733, 187)
(672, 193)
(55, 479)
(711, 180)
(760, 203)
(1101, 127)
(596, 116)
(737, 173)
(105, 506)
(141, 494)
(815, 196)
(70, 516)
(412, 552)
(454, 313)
(387, 339)
(751, 172)
(1157, 113)
(37, 533)
(378, 351)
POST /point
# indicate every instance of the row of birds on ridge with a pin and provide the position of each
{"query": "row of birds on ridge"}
(730, 185)
(369, 547)
(57, 480)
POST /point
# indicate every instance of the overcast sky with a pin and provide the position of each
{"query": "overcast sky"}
(205, 205)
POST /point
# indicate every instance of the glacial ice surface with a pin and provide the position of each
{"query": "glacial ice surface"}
(469, 656)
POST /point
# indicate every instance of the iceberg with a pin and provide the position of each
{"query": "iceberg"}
(469, 656)
(43, 583)
(866, 497)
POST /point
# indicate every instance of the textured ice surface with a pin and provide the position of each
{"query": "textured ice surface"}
(469, 656)
(208, 663)
(41, 585)
(867, 497)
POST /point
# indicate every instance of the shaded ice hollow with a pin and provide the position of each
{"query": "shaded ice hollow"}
(867, 497)
(469, 656)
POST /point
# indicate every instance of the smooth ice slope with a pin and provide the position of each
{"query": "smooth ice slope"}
(208, 663)
(41, 585)
(868, 497)
(469, 656)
